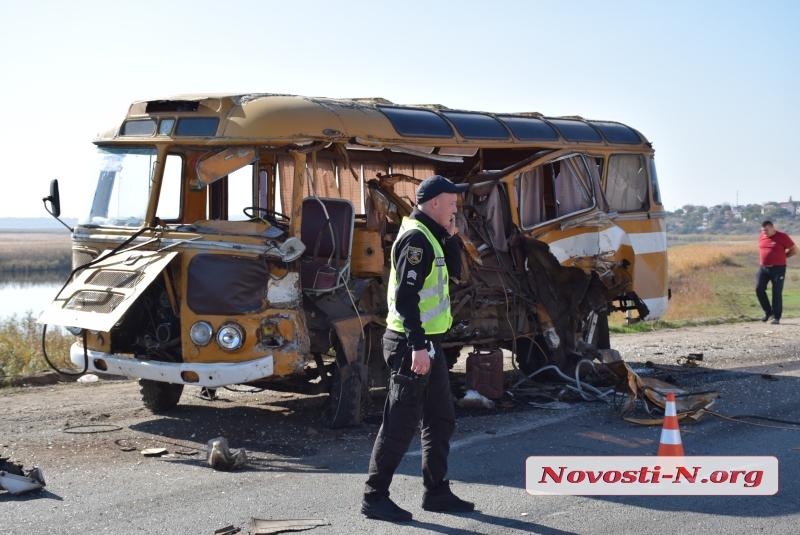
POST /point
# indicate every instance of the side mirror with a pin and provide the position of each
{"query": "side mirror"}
(54, 199)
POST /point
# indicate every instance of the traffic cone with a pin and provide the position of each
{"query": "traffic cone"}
(670, 434)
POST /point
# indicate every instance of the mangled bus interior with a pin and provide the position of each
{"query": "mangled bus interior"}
(246, 239)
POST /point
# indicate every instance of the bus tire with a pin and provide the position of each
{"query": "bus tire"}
(158, 396)
(347, 393)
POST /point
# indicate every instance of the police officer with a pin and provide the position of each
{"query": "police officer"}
(424, 256)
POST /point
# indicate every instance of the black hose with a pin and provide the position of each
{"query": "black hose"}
(68, 374)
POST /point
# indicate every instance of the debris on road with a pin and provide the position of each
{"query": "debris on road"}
(259, 526)
(154, 452)
(691, 360)
(653, 396)
(473, 400)
(553, 405)
(17, 480)
(88, 378)
(228, 530)
(221, 457)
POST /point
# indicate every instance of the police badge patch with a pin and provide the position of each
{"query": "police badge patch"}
(414, 255)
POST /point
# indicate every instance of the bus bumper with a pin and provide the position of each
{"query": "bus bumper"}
(212, 375)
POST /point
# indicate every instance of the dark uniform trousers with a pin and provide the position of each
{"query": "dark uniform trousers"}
(433, 413)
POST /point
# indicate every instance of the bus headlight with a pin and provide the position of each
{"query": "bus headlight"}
(201, 333)
(230, 337)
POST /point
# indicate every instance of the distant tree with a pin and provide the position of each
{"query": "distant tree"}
(679, 211)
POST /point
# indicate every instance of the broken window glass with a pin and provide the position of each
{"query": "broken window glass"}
(626, 187)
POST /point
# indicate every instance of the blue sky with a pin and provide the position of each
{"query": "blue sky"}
(714, 85)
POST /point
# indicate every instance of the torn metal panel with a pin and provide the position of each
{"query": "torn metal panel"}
(653, 395)
(102, 293)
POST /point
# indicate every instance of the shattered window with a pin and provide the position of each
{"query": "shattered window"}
(554, 190)
(626, 186)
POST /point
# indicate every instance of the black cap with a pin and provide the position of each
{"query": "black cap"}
(436, 185)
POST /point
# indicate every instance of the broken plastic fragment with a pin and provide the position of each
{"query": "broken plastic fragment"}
(88, 378)
(221, 457)
(473, 400)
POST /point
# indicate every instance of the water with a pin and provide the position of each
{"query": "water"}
(23, 296)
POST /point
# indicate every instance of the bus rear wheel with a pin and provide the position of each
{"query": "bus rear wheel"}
(158, 396)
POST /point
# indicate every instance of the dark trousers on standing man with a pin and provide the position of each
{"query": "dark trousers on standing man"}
(401, 420)
(775, 275)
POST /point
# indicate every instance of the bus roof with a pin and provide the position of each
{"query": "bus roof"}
(285, 119)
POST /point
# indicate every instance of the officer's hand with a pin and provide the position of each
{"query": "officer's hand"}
(420, 362)
(451, 226)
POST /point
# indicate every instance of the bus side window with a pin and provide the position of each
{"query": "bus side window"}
(626, 186)
(169, 200)
(571, 193)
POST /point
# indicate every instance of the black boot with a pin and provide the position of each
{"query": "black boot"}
(385, 509)
(443, 499)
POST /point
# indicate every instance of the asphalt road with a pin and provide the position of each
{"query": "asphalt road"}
(298, 470)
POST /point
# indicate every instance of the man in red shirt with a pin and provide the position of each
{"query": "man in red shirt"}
(774, 248)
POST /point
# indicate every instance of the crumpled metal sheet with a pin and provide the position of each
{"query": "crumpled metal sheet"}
(653, 395)
(261, 526)
(16, 480)
(221, 457)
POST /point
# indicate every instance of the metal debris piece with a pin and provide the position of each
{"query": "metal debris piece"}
(16, 480)
(554, 405)
(228, 530)
(473, 400)
(187, 452)
(127, 448)
(259, 526)
(221, 457)
(154, 452)
(653, 396)
(691, 360)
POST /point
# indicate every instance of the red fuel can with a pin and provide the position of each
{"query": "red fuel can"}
(485, 372)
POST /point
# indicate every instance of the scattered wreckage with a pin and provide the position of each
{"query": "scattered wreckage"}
(245, 239)
(16, 480)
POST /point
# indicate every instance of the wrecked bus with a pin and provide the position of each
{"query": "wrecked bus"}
(245, 239)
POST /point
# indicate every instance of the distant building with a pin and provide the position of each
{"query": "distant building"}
(789, 207)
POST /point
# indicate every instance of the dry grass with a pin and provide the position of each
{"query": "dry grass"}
(21, 346)
(690, 258)
(24, 253)
(697, 276)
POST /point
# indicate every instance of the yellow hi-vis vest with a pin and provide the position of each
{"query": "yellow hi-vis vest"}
(434, 297)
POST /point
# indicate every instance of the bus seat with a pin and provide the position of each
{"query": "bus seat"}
(326, 260)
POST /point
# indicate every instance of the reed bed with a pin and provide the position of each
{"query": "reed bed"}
(24, 253)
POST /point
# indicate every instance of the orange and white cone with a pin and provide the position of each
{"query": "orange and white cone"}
(670, 434)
